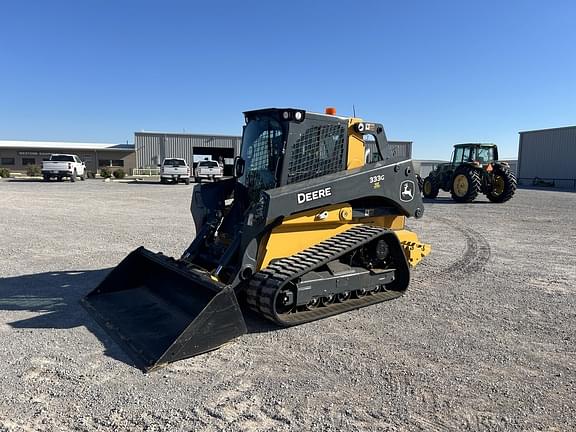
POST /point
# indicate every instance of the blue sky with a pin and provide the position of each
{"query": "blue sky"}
(434, 72)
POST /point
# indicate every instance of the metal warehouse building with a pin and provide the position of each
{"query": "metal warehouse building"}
(16, 155)
(153, 147)
(424, 167)
(548, 156)
(395, 149)
(400, 149)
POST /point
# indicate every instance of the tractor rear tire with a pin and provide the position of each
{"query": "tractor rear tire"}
(466, 185)
(430, 187)
(503, 185)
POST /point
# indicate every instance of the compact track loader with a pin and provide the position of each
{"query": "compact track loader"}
(309, 227)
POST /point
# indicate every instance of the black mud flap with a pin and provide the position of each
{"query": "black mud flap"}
(159, 311)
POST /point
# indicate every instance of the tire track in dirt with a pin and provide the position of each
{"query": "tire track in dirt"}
(477, 252)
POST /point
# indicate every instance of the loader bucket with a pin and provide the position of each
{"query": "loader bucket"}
(159, 311)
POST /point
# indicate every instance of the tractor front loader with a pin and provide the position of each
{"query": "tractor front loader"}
(306, 229)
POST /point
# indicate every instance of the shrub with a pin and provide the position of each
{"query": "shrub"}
(33, 171)
(4, 172)
(119, 173)
(105, 172)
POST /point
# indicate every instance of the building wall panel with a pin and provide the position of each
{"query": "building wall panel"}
(153, 147)
(547, 154)
(90, 156)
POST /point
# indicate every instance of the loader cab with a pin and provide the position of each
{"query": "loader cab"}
(285, 146)
(281, 146)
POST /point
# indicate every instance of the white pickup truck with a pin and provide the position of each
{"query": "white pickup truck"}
(208, 169)
(63, 165)
(174, 170)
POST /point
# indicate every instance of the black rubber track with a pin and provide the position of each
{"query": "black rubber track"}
(266, 284)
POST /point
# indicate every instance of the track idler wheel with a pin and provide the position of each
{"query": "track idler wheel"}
(375, 290)
(325, 301)
(312, 304)
(285, 301)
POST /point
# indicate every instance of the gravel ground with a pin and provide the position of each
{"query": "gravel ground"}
(484, 339)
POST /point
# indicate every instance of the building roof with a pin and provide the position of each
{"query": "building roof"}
(547, 129)
(15, 144)
(186, 134)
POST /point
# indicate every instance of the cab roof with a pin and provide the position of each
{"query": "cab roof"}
(304, 113)
(475, 145)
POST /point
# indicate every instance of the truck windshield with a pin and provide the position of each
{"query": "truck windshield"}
(262, 147)
(62, 158)
(209, 164)
(174, 162)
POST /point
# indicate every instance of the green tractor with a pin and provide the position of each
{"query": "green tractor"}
(474, 168)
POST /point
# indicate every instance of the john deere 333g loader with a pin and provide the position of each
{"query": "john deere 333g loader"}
(309, 227)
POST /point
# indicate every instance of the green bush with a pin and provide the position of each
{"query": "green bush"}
(33, 171)
(119, 173)
(105, 172)
(4, 172)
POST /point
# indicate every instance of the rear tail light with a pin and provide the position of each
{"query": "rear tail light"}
(69, 165)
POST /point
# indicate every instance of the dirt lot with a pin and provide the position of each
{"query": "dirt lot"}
(484, 340)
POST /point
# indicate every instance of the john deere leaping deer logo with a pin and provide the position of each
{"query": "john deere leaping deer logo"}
(407, 190)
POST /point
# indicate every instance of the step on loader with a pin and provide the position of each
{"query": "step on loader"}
(311, 225)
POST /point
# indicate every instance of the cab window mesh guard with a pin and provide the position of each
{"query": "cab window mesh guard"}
(318, 151)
